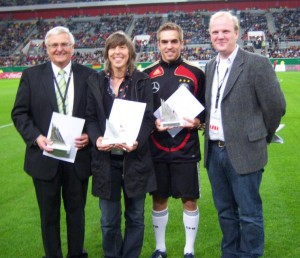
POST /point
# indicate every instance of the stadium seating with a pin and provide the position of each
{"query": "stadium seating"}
(21, 43)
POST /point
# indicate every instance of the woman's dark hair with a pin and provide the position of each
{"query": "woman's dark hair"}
(119, 38)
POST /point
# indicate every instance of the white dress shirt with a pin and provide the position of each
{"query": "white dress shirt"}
(222, 71)
(70, 94)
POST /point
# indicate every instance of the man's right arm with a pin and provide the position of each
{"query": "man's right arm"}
(20, 113)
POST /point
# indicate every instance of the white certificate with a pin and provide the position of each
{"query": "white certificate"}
(184, 103)
(62, 131)
(276, 138)
(124, 122)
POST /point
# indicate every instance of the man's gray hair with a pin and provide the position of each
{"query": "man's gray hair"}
(59, 30)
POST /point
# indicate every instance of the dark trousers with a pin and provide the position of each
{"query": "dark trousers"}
(114, 245)
(73, 192)
(239, 206)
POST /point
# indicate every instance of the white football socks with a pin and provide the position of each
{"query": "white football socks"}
(191, 222)
(160, 221)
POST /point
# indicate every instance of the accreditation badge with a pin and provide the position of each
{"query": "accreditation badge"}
(214, 125)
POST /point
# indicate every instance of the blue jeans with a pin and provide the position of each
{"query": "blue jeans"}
(239, 206)
(114, 245)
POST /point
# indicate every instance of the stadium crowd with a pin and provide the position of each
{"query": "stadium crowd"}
(91, 33)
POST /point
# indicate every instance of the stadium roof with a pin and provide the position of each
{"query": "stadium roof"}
(94, 4)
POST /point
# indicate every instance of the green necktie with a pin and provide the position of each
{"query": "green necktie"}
(61, 93)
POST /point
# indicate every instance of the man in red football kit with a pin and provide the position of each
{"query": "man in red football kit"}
(175, 154)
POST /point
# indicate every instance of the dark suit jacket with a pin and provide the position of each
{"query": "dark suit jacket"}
(35, 102)
(252, 107)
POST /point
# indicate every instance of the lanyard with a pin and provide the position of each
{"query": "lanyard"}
(63, 98)
(220, 83)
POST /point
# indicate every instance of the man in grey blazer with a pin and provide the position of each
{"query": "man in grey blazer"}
(244, 105)
(35, 102)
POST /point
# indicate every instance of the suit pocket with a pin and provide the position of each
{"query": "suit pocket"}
(257, 135)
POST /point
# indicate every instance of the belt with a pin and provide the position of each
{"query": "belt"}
(221, 144)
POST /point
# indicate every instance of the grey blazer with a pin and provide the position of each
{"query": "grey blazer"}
(251, 107)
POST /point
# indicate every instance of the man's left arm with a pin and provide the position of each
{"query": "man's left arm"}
(199, 121)
(200, 95)
(270, 95)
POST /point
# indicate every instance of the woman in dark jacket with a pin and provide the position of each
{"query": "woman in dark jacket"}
(117, 167)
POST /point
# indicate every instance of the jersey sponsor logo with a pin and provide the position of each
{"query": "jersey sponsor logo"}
(155, 87)
(156, 72)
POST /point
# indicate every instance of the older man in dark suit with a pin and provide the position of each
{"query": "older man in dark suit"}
(244, 108)
(38, 96)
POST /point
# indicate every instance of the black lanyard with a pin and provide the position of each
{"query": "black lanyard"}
(63, 98)
(220, 83)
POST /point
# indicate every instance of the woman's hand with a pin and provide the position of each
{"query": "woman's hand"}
(103, 147)
(126, 147)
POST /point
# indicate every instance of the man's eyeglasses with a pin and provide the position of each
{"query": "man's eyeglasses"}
(62, 45)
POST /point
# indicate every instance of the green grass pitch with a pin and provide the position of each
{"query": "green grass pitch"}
(19, 222)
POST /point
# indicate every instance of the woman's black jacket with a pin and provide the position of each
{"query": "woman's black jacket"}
(138, 168)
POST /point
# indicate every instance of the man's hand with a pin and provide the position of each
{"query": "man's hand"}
(161, 128)
(82, 141)
(44, 143)
(191, 123)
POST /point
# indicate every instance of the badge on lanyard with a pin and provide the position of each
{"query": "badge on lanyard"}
(214, 124)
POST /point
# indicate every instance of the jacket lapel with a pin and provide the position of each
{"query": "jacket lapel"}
(209, 81)
(97, 86)
(48, 85)
(236, 69)
(78, 90)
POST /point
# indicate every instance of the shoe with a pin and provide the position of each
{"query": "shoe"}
(159, 254)
(189, 256)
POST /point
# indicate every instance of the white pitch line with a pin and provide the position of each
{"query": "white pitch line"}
(3, 126)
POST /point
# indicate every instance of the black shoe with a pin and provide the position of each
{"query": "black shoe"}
(159, 254)
(189, 256)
